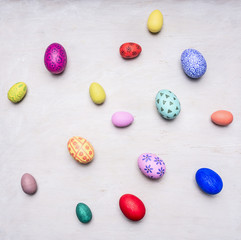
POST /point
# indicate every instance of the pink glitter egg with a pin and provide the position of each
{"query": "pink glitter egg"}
(151, 165)
(55, 58)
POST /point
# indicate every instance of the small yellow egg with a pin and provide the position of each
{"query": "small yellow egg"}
(97, 93)
(155, 21)
(17, 92)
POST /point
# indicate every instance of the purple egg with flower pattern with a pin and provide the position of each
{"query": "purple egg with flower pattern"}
(55, 58)
(151, 165)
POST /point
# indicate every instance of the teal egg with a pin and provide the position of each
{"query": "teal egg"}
(83, 213)
(167, 104)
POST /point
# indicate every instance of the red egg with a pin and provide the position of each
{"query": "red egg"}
(132, 207)
(130, 50)
(222, 117)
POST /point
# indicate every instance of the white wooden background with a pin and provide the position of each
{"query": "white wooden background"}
(35, 132)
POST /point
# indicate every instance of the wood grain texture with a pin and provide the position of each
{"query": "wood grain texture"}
(35, 132)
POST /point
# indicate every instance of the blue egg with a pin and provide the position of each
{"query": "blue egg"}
(209, 181)
(193, 63)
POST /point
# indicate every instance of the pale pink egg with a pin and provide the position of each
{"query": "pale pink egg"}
(122, 119)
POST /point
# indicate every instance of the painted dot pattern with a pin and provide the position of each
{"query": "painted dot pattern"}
(55, 58)
(194, 65)
(77, 147)
(130, 50)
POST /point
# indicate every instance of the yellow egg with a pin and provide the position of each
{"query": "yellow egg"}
(17, 92)
(97, 93)
(155, 21)
(80, 149)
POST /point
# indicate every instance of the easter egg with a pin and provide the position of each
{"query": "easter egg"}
(130, 50)
(28, 184)
(122, 119)
(155, 21)
(222, 117)
(55, 58)
(97, 93)
(83, 213)
(17, 92)
(167, 104)
(193, 63)
(209, 181)
(80, 149)
(132, 207)
(151, 165)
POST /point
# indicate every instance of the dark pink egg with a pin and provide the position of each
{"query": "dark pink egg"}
(55, 58)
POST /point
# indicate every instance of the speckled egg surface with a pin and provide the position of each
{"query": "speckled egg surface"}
(167, 104)
(193, 63)
(151, 165)
(55, 58)
(81, 149)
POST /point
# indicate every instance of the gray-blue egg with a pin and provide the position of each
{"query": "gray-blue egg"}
(193, 63)
(167, 104)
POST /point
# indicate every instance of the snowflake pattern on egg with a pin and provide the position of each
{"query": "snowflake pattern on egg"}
(193, 63)
(151, 165)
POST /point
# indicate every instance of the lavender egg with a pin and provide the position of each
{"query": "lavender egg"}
(55, 58)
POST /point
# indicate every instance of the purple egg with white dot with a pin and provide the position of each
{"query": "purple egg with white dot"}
(193, 63)
(55, 58)
(151, 165)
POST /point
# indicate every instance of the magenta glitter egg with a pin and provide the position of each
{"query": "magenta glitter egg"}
(55, 58)
(151, 165)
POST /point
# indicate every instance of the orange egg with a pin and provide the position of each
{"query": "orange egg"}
(222, 117)
(80, 149)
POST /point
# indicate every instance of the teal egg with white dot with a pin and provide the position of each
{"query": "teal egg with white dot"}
(167, 104)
